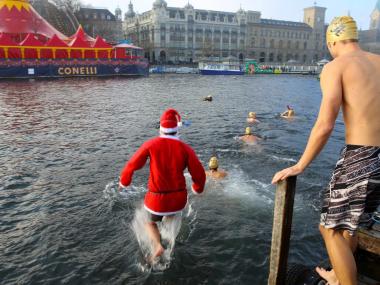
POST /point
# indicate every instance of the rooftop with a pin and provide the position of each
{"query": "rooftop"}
(284, 23)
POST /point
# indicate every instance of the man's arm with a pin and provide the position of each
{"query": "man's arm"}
(331, 84)
(136, 162)
(197, 172)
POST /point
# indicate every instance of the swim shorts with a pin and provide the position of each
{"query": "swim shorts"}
(353, 194)
(155, 218)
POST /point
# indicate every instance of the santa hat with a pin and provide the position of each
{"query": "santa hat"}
(170, 121)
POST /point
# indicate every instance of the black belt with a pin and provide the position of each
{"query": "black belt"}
(167, 192)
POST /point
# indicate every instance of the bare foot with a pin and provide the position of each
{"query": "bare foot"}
(329, 276)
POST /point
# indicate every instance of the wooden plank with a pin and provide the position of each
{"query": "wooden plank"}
(369, 240)
(282, 223)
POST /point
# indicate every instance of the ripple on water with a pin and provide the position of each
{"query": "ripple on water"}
(63, 146)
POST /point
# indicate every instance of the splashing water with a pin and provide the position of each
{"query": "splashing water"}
(168, 228)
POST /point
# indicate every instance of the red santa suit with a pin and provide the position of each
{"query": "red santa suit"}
(169, 157)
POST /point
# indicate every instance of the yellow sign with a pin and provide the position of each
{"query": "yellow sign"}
(88, 70)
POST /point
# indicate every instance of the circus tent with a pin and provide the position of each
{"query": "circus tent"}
(25, 35)
(30, 47)
(18, 18)
(11, 50)
(58, 48)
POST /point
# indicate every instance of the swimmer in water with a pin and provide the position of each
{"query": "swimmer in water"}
(288, 113)
(208, 98)
(167, 192)
(252, 118)
(249, 137)
(214, 172)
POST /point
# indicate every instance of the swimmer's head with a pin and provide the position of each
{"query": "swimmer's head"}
(341, 29)
(252, 115)
(213, 163)
(248, 131)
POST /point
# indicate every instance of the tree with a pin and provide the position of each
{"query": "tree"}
(73, 5)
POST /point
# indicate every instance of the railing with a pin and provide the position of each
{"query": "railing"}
(282, 225)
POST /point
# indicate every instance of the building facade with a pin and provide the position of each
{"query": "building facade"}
(370, 39)
(170, 34)
(99, 21)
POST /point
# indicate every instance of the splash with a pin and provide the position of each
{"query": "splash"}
(251, 191)
(168, 228)
(283, 158)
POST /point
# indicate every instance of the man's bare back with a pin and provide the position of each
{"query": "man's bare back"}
(359, 74)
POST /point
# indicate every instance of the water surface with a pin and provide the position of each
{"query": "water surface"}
(64, 142)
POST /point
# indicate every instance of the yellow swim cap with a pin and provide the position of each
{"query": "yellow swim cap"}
(248, 131)
(213, 163)
(251, 115)
(342, 28)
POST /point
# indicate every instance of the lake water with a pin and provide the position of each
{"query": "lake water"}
(64, 142)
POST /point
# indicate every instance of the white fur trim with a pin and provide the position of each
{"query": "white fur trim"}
(161, 213)
(168, 130)
(121, 185)
(195, 192)
(170, 137)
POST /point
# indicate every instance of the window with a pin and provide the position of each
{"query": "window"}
(262, 43)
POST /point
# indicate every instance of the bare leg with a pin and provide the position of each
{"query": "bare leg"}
(352, 240)
(339, 245)
(154, 235)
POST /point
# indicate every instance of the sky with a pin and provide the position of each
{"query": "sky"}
(291, 10)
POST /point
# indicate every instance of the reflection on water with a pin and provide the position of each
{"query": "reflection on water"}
(63, 143)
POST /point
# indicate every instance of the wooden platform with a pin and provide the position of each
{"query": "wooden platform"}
(369, 240)
(368, 255)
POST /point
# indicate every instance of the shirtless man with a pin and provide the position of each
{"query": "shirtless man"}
(248, 137)
(214, 172)
(288, 113)
(252, 118)
(351, 82)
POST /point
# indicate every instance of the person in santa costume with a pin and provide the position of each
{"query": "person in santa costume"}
(169, 157)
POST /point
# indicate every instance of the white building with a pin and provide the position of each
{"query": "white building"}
(188, 34)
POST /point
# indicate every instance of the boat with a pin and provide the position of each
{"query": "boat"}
(31, 48)
(221, 69)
